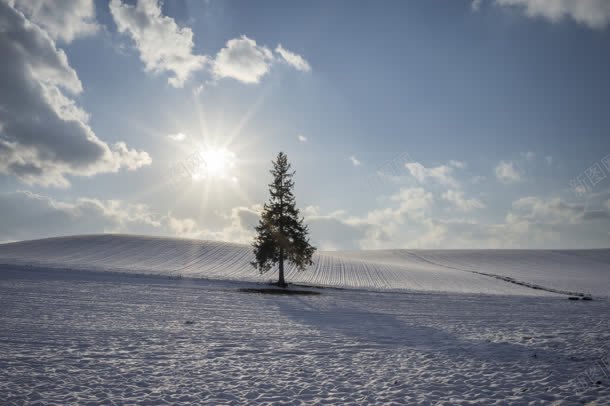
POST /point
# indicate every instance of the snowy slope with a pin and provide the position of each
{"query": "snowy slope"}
(98, 338)
(466, 271)
(584, 271)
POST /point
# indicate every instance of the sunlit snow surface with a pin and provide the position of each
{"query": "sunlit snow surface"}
(447, 336)
(580, 271)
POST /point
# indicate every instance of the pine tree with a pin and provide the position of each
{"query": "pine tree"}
(281, 233)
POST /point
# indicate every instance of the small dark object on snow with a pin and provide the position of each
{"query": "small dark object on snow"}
(598, 382)
(587, 298)
(189, 322)
(272, 291)
(573, 298)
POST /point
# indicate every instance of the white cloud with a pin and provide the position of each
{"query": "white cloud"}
(302, 138)
(166, 47)
(62, 20)
(531, 222)
(242, 222)
(385, 224)
(79, 216)
(238, 227)
(295, 60)
(442, 174)
(242, 59)
(411, 199)
(456, 197)
(528, 156)
(507, 172)
(408, 221)
(59, 142)
(457, 164)
(355, 161)
(177, 137)
(311, 211)
(163, 45)
(475, 5)
(130, 158)
(553, 211)
(197, 90)
(87, 216)
(186, 228)
(592, 13)
(333, 231)
(549, 160)
(327, 231)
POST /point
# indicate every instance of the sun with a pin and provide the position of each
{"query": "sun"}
(214, 163)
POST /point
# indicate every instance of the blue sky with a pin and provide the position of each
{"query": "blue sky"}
(450, 124)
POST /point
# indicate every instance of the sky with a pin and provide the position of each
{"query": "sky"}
(446, 124)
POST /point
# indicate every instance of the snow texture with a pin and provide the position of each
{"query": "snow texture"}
(69, 337)
(514, 272)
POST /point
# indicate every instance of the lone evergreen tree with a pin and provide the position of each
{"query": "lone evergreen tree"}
(281, 233)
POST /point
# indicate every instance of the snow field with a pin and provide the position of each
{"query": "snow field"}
(462, 271)
(94, 337)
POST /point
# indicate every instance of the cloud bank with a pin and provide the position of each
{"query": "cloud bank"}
(44, 135)
(594, 14)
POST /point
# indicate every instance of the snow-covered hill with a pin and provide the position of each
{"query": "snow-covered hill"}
(467, 271)
(71, 337)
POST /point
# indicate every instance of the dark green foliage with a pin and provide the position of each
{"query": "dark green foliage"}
(281, 232)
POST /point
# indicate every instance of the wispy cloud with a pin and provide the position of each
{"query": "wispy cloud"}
(442, 174)
(85, 215)
(478, 179)
(507, 172)
(457, 164)
(177, 136)
(355, 161)
(302, 138)
(528, 156)
(554, 211)
(592, 13)
(295, 60)
(456, 197)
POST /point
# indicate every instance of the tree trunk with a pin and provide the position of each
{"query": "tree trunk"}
(281, 282)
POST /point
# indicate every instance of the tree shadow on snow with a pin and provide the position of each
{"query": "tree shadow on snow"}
(387, 330)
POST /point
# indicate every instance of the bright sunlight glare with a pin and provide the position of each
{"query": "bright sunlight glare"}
(214, 163)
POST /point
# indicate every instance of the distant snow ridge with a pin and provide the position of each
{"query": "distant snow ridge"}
(582, 271)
